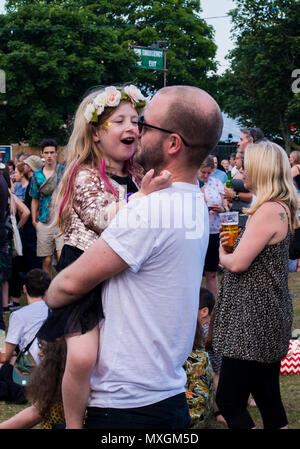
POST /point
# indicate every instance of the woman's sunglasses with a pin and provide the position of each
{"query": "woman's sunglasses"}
(142, 123)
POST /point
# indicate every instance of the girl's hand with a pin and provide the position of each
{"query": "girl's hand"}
(150, 184)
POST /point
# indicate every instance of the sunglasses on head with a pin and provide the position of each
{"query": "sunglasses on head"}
(142, 124)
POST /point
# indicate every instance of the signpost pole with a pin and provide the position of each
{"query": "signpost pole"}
(165, 67)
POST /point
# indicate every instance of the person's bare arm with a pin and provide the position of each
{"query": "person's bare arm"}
(24, 212)
(243, 196)
(265, 225)
(25, 419)
(6, 356)
(34, 211)
(97, 263)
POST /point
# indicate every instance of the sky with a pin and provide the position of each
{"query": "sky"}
(213, 12)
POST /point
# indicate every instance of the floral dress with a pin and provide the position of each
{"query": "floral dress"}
(199, 388)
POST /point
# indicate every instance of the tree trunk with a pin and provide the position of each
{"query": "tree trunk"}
(286, 134)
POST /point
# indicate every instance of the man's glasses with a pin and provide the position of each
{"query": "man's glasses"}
(142, 123)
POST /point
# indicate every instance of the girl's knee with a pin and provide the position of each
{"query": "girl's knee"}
(81, 362)
(82, 352)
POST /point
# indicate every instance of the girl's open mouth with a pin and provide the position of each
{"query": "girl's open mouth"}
(128, 140)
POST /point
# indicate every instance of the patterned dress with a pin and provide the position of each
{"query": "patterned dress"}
(199, 388)
(56, 416)
(254, 311)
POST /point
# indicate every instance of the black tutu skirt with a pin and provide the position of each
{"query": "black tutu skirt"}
(78, 317)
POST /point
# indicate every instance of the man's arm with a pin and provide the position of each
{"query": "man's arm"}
(95, 265)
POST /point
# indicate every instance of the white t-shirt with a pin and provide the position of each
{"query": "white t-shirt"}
(151, 308)
(213, 189)
(24, 324)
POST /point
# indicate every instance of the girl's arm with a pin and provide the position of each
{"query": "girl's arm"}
(90, 202)
(25, 419)
(263, 227)
(149, 185)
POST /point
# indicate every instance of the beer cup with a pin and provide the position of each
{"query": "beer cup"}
(230, 224)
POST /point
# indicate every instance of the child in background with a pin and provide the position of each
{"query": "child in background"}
(99, 173)
(44, 389)
(200, 385)
(206, 307)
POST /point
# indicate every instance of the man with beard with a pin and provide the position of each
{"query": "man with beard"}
(152, 257)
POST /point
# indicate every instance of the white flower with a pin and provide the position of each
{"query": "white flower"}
(134, 93)
(113, 96)
(99, 101)
(89, 111)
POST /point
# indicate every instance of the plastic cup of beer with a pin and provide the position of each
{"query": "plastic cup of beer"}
(230, 224)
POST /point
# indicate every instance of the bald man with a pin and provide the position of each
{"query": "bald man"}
(151, 257)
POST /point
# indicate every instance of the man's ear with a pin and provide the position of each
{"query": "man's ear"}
(174, 144)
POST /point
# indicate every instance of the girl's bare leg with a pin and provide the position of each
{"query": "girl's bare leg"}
(82, 353)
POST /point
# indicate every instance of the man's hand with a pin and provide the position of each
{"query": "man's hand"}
(229, 193)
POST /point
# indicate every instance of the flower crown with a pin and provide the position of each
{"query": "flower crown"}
(111, 96)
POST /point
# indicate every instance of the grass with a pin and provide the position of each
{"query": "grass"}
(290, 384)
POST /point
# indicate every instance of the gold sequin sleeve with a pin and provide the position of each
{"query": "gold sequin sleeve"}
(91, 206)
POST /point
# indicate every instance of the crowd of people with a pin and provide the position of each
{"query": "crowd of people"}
(124, 329)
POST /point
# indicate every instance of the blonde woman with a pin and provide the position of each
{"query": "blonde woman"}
(295, 164)
(254, 312)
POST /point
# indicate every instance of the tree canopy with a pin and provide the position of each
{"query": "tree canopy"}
(257, 88)
(52, 51)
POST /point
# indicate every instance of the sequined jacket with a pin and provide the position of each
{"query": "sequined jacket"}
(90, 211)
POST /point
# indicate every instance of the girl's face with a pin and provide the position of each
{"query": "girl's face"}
(204, 173)
(117, 137)
(292, 160)
(18, 175)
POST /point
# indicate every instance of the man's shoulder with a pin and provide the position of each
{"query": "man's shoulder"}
(38, 175)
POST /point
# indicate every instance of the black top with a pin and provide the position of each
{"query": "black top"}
(125, 181)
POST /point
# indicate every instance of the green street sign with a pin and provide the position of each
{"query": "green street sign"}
(149, 58)
(5, 153)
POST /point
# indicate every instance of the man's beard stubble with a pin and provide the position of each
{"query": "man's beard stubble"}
(151, 157)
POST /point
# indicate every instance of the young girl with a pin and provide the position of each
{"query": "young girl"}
(98, 174)
(44, 389)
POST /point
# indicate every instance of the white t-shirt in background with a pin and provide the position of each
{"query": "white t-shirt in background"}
(24, 325)
(213, 189)
(151, 308)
